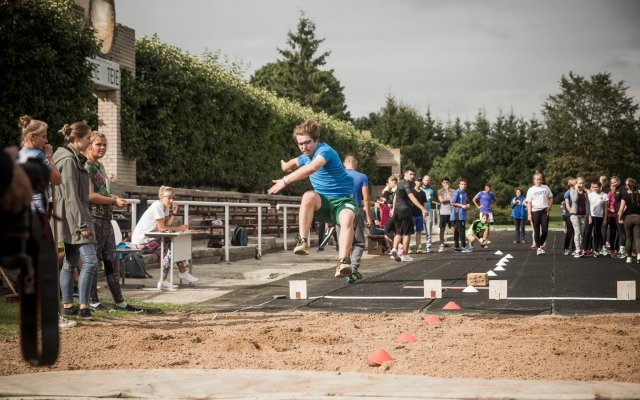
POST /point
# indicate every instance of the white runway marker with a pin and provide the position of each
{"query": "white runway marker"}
(499, 268)
(470, 289)
(491, 273)
(498, 253)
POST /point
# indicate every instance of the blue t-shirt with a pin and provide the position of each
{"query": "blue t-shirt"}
(564, 204)
(517, 205)
(38, 203)
(459, 213)
(485, 201)
(430, 193)
(360, 180)
(332, 179)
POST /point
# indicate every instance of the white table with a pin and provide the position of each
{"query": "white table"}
(180, 249)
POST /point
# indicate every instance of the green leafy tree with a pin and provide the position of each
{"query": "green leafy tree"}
(399, 125)
(298, 75)
(592, 129)
(43, 67)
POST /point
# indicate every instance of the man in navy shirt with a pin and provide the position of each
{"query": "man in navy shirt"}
(330, 201)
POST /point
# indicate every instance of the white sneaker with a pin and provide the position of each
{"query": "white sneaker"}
(406, 258)
(539, 251)
(165, 285)
(441, 249)
(64, 323)
(394, 254)
(186, 276)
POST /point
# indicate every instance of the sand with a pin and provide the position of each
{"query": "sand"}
(587, 348)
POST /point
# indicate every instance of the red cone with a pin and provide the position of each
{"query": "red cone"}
(380, 357)
(451, 306)
(432, 319)
(406, 337)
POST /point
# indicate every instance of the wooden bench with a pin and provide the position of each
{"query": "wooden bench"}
(377, 244)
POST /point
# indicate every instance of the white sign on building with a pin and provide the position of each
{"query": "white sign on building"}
(106, 74)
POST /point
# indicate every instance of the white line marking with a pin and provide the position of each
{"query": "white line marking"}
(561, 298)
(370, 297)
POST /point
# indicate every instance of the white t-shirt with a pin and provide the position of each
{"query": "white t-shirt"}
(596, 203)
(539, 197)
(147, 222)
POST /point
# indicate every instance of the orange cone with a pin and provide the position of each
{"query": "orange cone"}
(451, 306)
(379, 357)
(432, 319)
(406, 337)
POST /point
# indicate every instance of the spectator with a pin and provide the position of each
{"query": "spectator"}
(101, 202)
(72, 206)
(630, 209)
(518, 215)
(484, 200)
(460, 204)
(402, 215)
(361, 197)
(617, 192)
(444, 197)
(428, 223)
(35, 145)
(569, 244)
(598, 202)
(159, 217)
(539, 201)
(579, 212)
(479, 230)
(330, 201)
(416, 216)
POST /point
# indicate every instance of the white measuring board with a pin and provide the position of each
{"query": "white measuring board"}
(497, 289)
(433, 288)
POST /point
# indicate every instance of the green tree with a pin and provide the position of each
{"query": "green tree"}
(592, 129)
(399, 125)
(298, 75)
(43, 68)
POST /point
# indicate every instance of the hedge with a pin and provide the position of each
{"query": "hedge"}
(190, 123)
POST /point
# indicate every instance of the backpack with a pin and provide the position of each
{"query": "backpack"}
(240, 236)
(134, 267)
(216, 241)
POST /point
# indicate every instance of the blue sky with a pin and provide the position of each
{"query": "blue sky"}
(452, 58)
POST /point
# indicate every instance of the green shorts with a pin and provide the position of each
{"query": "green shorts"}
(330, 208)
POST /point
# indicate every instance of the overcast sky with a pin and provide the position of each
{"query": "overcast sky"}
(453, 57)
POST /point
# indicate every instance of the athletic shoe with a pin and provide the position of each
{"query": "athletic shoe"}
(567, 252)
(351, 280)
(457, 250)
(85, 314)
(429, 249)
(129, 308)
(411, 251)
(629, 260)
(165, 285)
(394, 254)
(302, 247)
(544, 251)
(97, 307)
(467, 249)
(355, 272)
(441, 249)
(487, 242)
(73, 310)
(421, 251)
(604, 252)
(539, 251)
(595, 254)
(515, 242)
(343, 269)
(186, 276)
(64, 323)
(407, 258)
(577, 254)
(320, 249)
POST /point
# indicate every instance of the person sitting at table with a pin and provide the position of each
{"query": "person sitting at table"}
(157, 218)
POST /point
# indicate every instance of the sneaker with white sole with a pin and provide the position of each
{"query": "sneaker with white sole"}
(441, 249)
(539, 251)
(467, 249)
(406, 258)
(165, 285)
(186, 276)
(302, 247)
(394, 254)
(343, 269)
(64, 323)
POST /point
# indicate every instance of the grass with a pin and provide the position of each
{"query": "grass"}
(10, 314)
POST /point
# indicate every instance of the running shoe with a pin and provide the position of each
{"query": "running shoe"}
(355, 272)
(302, 247)
(394, 254)
(567, 252)
(343, 269)
(629, 260)
(577, 254)
(441, 249)
(186, 276)
(467, 249)
(457, 250)
(64, 323)
(85, 314)
(429, 249)
(539, 251)
(73, 310)
(421, 251)
(407, 258)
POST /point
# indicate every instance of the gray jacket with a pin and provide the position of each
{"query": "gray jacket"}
(72, 198)
(573, 194)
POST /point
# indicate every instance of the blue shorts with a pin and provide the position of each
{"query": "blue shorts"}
(418, 222)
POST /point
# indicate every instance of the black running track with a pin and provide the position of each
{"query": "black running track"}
(397, 287)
